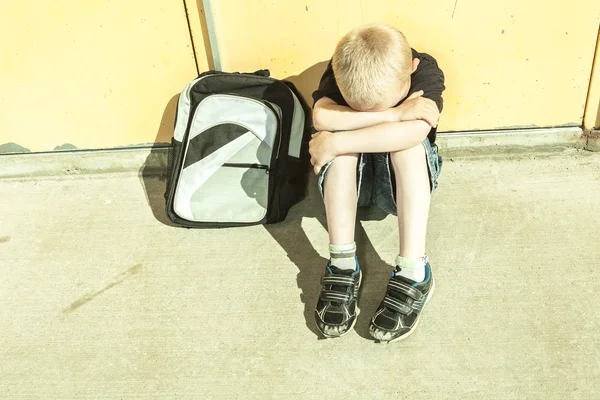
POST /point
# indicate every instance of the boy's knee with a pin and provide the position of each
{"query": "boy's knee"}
(342, 170)
(345, 161)
(413, 154)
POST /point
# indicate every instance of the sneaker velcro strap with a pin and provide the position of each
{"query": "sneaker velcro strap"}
(405, 289)
(418, 305)
(342, 280)
(334, 295)
(397, 305)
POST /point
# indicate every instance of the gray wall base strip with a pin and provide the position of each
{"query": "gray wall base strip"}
(147, 160)
(510, 141)
(153, 161)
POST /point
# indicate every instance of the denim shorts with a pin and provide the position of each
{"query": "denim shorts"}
(375, 180)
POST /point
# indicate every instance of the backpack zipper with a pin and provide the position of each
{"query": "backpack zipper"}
(248, 166)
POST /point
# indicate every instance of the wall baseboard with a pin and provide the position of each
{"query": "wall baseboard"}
(154, 160)
(463, 144)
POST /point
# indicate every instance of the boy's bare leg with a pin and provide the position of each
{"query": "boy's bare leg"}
(336, 309)
(411, 284)
(340, 199)
(413, 197)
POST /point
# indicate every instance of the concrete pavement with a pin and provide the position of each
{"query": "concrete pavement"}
(100, 299)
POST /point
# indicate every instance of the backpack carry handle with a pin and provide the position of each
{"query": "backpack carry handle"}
(262, 72)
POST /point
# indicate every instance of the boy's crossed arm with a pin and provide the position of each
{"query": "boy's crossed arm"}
(395, 129)
(329, 116)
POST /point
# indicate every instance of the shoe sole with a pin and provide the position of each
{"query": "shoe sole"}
(351, 327)
(399, 338)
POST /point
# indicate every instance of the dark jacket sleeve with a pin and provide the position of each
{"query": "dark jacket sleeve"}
(328, 88)
(430, 79)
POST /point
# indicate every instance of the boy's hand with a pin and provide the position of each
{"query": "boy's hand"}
(418, 107)
(321, 149)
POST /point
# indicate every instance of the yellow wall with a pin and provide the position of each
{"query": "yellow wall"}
(100, 73)
(507, 63)
(91, 73)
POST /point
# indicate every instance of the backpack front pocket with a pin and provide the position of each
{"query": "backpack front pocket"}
(224, 175)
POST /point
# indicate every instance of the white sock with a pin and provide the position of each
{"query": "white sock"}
(411, 268)
(342, 255)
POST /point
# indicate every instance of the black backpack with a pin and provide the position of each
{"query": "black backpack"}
(240, 151)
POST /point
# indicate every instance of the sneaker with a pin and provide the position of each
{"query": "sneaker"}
(336, 309)
(399, 312)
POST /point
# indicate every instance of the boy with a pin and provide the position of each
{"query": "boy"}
(376, 112)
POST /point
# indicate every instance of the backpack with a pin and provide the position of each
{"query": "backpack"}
(240, 151)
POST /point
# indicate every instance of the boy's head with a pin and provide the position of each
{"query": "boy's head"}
(372, 66)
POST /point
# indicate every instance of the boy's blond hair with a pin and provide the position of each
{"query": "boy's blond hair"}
(369, 61)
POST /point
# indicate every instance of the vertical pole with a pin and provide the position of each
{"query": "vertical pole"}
(212, 34)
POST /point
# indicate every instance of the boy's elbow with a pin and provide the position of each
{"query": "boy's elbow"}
(318, 122)
(422, 129)
(418, 130)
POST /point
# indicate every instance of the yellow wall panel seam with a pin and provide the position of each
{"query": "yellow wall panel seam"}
(187, 17)
(199, 31)
(591, 116)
